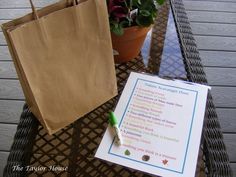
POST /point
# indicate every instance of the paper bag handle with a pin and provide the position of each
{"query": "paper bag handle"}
(35, 13)
(75, 2)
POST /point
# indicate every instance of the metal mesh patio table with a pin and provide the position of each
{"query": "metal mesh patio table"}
(169, 51)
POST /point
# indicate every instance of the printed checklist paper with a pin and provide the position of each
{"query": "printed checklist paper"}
(161, 124)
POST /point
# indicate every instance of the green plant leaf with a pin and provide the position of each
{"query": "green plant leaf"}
(117, 29)
(136, 3)
(130, 3)
(146, 4)
(126, 23)
(160, 1)
(144, 21)
(145, 13)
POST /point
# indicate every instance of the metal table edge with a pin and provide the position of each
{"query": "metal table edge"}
(215, 154)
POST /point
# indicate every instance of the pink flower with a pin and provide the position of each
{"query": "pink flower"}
(117, 9)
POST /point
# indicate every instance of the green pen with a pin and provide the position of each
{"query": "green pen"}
(114, 123)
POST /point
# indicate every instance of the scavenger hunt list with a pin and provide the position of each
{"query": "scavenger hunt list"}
(156, 119)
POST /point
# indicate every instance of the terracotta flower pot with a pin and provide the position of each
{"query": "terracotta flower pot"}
(129, 44)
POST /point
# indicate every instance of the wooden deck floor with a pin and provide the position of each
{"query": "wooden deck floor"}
(214, 26)
(213, 23)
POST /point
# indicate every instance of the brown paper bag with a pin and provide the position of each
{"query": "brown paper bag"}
(63, 57)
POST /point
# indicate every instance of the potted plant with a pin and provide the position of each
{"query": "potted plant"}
(130, 20)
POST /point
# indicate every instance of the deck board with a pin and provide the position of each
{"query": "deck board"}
(8, 14)
(218, 58)
(1, 22)
(3, 159)
(211, 17)
(233, 166)
(10, 111)
(2, 39)
(213, 23)
(221, 76)
(24, 3)
(10, 89)
(7, 70)
(227, 119)
(216, 43)
(224, 97)
(7, 132)
(4, 54)
(212, 29)
(230, 140)
(210, 6)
